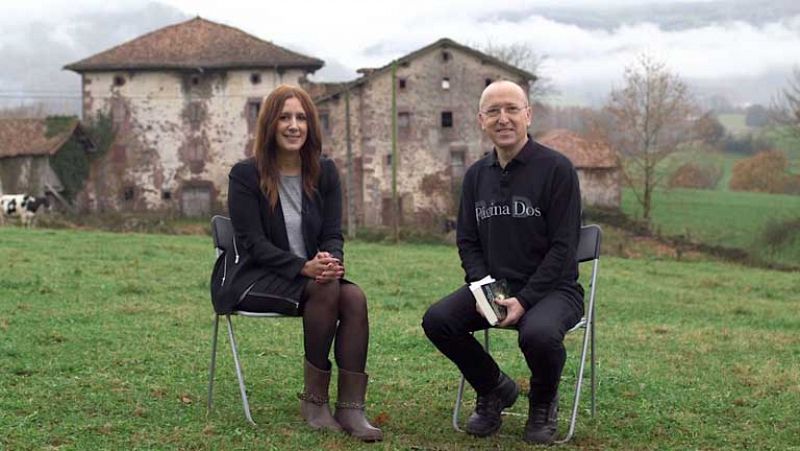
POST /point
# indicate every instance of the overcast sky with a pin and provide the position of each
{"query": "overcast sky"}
(744, 49)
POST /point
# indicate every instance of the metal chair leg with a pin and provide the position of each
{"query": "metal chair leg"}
(245, 404)
(591, 325)
(579, 383)
(457, 408)
(593, 370)
(212, 366)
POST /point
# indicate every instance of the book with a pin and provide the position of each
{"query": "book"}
(486, 291)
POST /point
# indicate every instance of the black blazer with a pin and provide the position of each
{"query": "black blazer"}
(261, 242)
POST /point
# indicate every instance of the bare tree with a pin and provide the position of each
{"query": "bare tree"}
(649, 118)
(523, 56)
(786, 107)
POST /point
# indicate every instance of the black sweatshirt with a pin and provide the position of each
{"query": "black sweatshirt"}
(522, 223)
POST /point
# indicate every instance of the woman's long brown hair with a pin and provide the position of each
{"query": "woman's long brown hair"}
(265, 147)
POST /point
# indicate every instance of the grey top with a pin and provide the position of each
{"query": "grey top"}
(290, 190)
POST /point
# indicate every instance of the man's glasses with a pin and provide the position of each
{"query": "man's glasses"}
(510, 110)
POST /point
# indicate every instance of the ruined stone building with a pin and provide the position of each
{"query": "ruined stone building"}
(183, 100)
(437, 92)
(34, 154)
(598, 166)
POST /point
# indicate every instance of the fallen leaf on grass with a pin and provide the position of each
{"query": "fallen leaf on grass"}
(139, 411)
(158, 393)
(380, 419)
(209, 430)
(186, 399)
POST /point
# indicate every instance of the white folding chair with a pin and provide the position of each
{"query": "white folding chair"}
(222, 232)
(588, 251)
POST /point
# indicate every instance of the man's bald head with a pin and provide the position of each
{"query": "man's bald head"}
(504, 116)
(509, 88)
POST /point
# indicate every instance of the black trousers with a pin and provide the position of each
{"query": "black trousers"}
(449, 323)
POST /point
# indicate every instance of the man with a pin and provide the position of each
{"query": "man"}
(519, 220)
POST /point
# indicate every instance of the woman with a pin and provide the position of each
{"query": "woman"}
(285, 206)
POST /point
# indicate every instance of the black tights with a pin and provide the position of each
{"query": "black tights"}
(338, 310)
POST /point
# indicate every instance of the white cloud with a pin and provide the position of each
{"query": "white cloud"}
(358, 34)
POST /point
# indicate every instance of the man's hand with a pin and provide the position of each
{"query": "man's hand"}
(514, 311)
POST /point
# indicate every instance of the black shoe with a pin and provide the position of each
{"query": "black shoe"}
(486, 419)
(542, 422)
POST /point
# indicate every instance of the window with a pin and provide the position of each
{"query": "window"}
(447, 119)
(255, 78)
(119, 80)
(401, 83)
(119, 112)
(166, 194)
(325, 121)
(195, 113)
(446, 83)
(253, 107)
(196, 153)
(119, 153)
(389, 160)
(195, 80)
(445, 56)
(128, 193)
(457, 164)
(403, 120)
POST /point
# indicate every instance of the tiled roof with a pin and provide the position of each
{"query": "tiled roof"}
(582, 152)
(194, 44)
(28, 137)
(371, 73)
(322, 89)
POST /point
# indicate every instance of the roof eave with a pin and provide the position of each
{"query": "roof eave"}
(444, 42)
(81, 68)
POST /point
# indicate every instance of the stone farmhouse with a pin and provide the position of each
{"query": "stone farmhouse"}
(183, 100)
(598, 166)
(32, 152)
(437, 92)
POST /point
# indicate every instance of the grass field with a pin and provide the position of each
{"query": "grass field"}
(106, 338)
(726, 218)
(735, 123)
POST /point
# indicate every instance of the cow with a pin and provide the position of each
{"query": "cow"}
(23, 206)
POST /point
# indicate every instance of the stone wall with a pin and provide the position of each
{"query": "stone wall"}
(177, 135)
(431, 156)
(600, 187)
(27, 175)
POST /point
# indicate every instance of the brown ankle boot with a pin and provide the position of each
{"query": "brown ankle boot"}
(314, 399)
(350, 407)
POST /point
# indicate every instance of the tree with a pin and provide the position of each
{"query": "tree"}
(523, 56)
(710, 130)
(756, 116)
(786, 108)
(767, 172)
(650, 117)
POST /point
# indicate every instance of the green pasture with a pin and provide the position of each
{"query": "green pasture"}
(105, 340)
(734, 122)
(788, 142)
(726, 218)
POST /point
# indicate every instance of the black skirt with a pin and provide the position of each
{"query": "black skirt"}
(273, 293)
